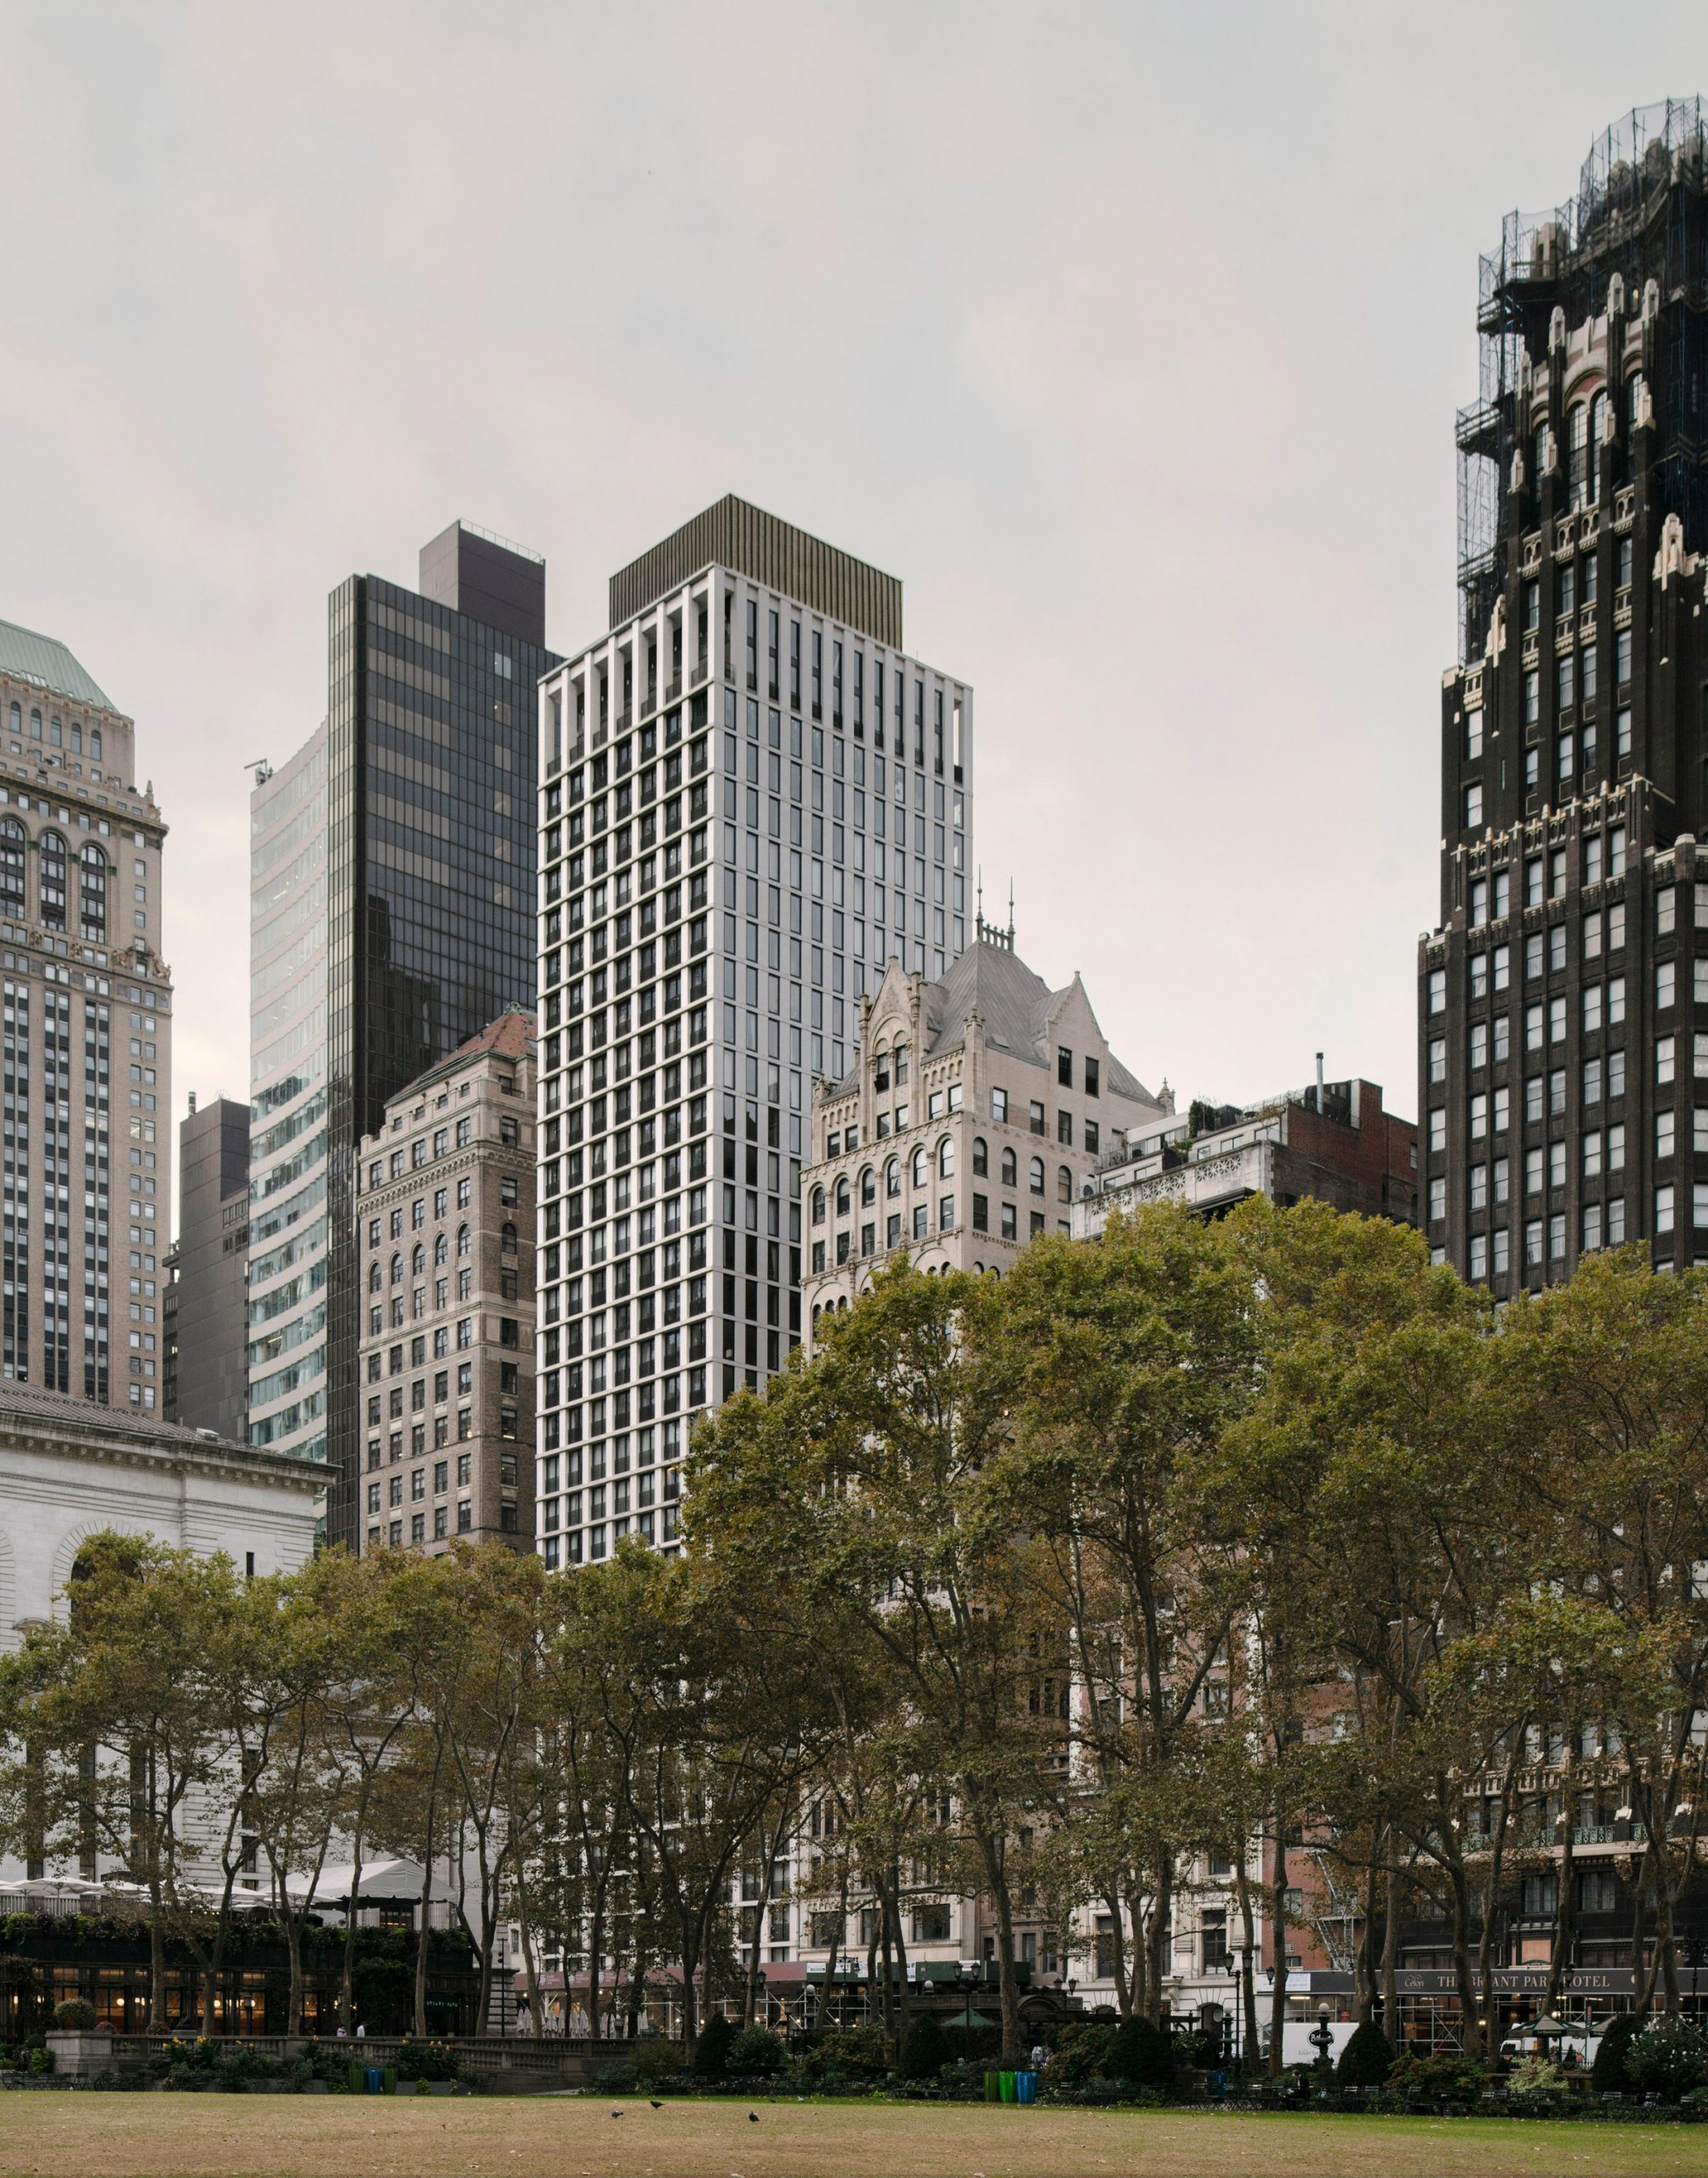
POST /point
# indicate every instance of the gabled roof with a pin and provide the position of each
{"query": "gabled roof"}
(1016, 1007)
(41, 659)
(511, 1036)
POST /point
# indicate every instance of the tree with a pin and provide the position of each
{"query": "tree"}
(865, 1474)
(118, 1725)
(1137, 1352)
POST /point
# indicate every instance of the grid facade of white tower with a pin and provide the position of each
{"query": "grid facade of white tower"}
(751, 798)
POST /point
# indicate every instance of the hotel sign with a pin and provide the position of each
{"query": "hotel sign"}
(1517, 1982)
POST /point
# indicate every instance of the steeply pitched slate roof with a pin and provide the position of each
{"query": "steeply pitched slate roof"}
(41, 659)
(511, 1036)
(1015, 1005)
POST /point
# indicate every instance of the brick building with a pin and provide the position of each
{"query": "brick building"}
(446, 1196)
(1333, 1142)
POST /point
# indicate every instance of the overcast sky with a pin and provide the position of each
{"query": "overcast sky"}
(1129, 337)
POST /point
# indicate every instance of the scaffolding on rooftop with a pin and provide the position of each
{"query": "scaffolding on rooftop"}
(1638, 212)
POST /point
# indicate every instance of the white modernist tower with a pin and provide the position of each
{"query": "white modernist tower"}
(751, 799)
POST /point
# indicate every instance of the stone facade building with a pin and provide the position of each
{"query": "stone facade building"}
(86, 1213)
(975, 1108)
(445, 1205)
(751, 798)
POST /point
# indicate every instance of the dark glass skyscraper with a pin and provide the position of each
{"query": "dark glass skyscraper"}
(1564, 1000)
(394, 867)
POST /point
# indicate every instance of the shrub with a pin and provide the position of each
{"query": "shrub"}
(924, 2047)
(77, 2015)
(1081, 2053)
(1141, 2053)
(1445, 2074)
(615, 2079)
(1367, 2059)
(426, 2061)
(657, 2061)
(711, 2051)
(1608, 2075)
(756, 2053)
(851, 2052)
(1668, 2058)
(1534, 2075)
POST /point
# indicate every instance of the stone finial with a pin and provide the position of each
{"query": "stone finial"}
(1557, 329)
(1615, 293)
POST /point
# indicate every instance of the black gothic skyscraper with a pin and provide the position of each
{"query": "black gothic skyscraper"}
(1563, 1001)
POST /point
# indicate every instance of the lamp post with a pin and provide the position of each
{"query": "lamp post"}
(1234, 1967)
(966, 1971)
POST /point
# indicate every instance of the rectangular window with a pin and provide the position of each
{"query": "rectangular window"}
(1593, 859)
(1438, 996)
(1064, 1067)
(1438, 1201)
(1665, 983)
(1092, 1077)
(1473, 806)
(1666, 1058)
(1663, 1210)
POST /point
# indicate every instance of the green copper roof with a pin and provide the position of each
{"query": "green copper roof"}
(39, 657)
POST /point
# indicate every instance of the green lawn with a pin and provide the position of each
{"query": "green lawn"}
(52, 2135)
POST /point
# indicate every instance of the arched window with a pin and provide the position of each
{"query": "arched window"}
(55, 731)
(981, 1158)
(35, 725)
(1036, 1176)
(92, 902)
(17, 719)
(1010, 1169)
(1578, 455)
(462, 1239)
(11, 867)
(922, 1168)
(95, 742)
(901, 1066)
(946, 1158)
(418, 1260)
(376, 1277)
(1597, 440)
(880, 1071)
(844, 1196)
(507, 1239)
(869, 1185)
(892, 1176)
(1545, 449)
(50, 882)
(818, 1206)
(76, 737)
(1064, 1185)
(441, 1248)
(1635, 387)
(397, 1270)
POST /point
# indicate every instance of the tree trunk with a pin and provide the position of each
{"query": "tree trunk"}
(1391, 1946)
(990, 1852)
(346, 1979)
(1277, 1943)
(424, 1938)
(1118, 1939)
(1248, 1954)
(1561, 1945)
(837, 1934)
(1460, 1892)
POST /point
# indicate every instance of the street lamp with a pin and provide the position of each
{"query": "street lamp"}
(1234, 1966)
(966, 1972)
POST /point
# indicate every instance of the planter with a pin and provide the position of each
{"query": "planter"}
(79, 2053)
